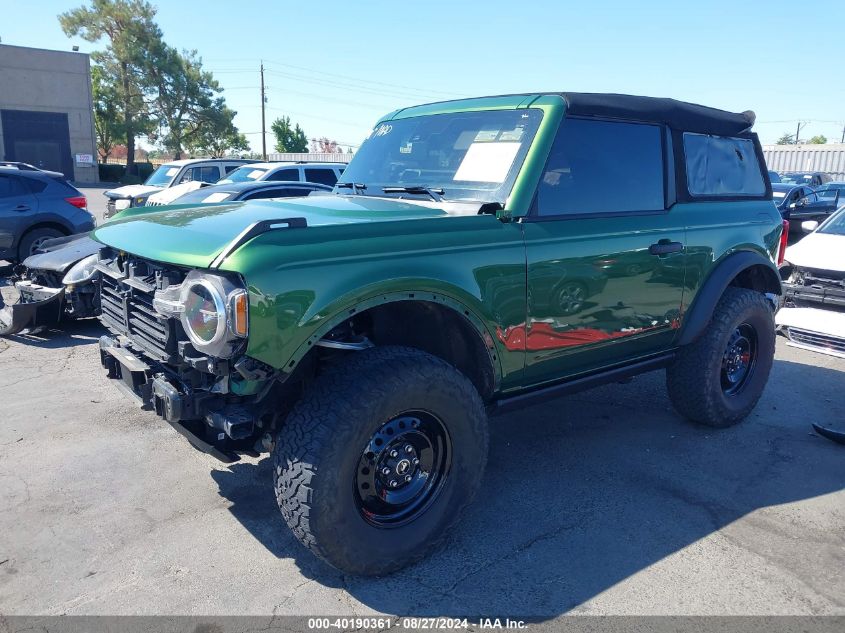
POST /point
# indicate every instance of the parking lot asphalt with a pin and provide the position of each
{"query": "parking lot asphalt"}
(604, 502)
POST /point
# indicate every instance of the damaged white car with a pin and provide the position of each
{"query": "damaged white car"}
(813, 273)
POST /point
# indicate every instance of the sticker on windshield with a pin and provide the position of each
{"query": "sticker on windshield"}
(778, 194)
(172, 171)
(487, 162)
(218, 196)
(486, 136)
(406, 148)
(512, 135)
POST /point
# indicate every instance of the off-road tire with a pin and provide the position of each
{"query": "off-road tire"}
(33, 237)
(317, 452)
(694, 379)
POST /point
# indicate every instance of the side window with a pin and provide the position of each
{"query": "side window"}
(231, 168)
(285, 174)
(722, 166)
(603, 167)
(324, 176)
(207, 174)
(11, 186)
(34, 185)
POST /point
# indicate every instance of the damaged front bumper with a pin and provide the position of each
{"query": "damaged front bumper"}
(211, 422)
(38, 306)
(813, 329)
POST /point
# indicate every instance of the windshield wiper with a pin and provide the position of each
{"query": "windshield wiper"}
(357, 187)
(436, 194)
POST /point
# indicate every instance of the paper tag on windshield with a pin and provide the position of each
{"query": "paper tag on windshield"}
(487, 162)
(218, 196)
(778, 194)
(172, 171)
(255, 174)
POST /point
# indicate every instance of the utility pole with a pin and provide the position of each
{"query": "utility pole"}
(798, 131)
(263, 128)
(843, 134)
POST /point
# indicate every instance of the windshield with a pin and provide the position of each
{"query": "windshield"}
(163, 176)
(464, 155)
(835, 225)
(244, 174)
(797, 179)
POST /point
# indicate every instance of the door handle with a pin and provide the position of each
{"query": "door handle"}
(21, 207)
(664, 247)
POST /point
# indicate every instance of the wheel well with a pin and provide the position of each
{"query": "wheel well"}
(425, 325)
(758, 277)
(44, 225)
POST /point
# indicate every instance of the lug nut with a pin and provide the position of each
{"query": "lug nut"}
(385, 471)
(416, 462)
(393, 483)
(409, 448)
(407, 478)
(394, 454)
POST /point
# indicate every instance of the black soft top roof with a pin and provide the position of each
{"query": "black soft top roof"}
(678, 115)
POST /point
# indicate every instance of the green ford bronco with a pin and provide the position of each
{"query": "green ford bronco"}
(477, 255)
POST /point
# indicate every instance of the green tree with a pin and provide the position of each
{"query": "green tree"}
(819, 139)
(219, 136)
(187, 104)
(108, 124)
(786, 139)
(289, 139)
(132, 36)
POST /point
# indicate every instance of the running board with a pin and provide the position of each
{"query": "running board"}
(574, 385)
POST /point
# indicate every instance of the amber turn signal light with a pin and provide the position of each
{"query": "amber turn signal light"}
(240, 314)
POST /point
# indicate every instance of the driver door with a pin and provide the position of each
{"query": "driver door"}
(606, 260)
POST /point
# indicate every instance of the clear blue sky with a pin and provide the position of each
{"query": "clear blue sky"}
(335, 67)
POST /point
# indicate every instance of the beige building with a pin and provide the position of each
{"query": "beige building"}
(46, 111)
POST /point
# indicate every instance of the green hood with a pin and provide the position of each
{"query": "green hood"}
(193, 236)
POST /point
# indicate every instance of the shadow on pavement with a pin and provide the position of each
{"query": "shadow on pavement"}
(573, 503)
(65, 334)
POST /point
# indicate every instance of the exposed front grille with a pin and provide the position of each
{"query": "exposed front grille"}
(817, 341)
(127, 310)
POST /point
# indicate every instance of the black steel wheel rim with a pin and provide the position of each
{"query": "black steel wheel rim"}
(402, 469)
(739, 359)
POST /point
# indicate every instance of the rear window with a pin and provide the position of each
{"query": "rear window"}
(324, 176)
(722, 166)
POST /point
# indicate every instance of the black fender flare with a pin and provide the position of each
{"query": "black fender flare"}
(698, 316)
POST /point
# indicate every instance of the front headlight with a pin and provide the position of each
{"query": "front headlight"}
(81, 271)
(212, 310)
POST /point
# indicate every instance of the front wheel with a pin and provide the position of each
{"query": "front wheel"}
(718, 379)
(376, 462)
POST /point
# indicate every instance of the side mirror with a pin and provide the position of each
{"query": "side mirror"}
(809, 226)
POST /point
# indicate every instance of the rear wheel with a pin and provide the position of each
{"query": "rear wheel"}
(33, 239)
(718, 379)
(376, 462)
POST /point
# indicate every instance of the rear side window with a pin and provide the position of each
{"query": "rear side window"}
(285, 174)
(722, 166)
(11, 186)
(322, 176)
(603, 167)
(35, 185)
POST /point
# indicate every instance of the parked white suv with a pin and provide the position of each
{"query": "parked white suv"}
(321, 173)
(169, 175)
